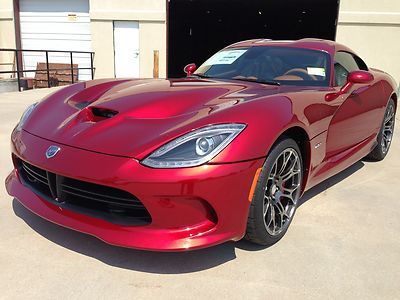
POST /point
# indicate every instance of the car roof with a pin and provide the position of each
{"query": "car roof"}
(308, 43)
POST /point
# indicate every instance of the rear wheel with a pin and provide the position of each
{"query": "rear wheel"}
(385, 135)
(276, 195)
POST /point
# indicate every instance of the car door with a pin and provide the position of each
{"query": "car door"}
(355, 118)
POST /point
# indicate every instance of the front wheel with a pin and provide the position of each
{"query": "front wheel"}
(276, 195)
(385, 135)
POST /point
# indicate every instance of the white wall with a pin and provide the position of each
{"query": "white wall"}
(151, 15)
(7, 36)
(372, 29)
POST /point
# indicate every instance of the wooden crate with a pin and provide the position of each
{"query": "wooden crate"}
(60, 77)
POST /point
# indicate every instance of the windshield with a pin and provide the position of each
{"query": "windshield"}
(279, 65)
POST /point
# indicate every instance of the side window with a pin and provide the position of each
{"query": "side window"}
(344, 64)
(361, 64)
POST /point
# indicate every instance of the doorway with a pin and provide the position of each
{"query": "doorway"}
(199, 28)
(126, 49)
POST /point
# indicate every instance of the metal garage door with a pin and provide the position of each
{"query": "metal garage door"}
(56, 25)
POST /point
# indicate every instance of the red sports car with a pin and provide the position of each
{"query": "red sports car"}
(225, 153)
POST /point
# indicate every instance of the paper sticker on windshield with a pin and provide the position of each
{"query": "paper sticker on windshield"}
(316, 71)
(225, 57)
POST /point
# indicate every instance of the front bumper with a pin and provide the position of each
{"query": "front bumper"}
(190, 207)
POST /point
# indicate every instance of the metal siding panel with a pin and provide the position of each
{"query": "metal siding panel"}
(46, 25)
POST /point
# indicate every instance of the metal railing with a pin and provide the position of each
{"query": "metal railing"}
(20, 69)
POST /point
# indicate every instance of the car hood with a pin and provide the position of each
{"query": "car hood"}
(134, 117)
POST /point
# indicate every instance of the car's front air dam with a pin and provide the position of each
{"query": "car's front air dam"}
(190, 207)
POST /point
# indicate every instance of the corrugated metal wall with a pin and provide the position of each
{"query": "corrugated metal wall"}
(56, 25)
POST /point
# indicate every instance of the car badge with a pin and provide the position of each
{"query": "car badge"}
(52, 151)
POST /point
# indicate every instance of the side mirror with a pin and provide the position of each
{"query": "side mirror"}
(355, 77)
(360, 77)
(190, 69)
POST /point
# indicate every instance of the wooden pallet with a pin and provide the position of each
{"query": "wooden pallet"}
(57, 77)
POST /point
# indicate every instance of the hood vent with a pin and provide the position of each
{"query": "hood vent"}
(103, 112)
(96, 114)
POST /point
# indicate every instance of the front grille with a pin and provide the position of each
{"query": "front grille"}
(108, 203)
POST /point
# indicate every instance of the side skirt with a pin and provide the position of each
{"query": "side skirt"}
(339, 162)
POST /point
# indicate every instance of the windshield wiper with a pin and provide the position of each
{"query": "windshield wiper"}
(270, 82)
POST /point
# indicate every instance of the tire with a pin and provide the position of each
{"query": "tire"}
(265, 227)
(385, 135)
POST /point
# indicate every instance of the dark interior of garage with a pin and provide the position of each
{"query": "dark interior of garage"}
(198, 28)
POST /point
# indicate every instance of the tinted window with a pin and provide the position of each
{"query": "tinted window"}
(291, 66)
(344, 64)
(361, 64)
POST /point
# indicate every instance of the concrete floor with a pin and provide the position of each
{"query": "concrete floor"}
(344, 243)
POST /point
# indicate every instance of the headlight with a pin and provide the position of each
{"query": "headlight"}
(194, 148)
(26, 115)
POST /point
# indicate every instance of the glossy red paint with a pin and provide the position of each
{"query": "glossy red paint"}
(188, 206)
(205, 205)
(190, 69)
(362, 77)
